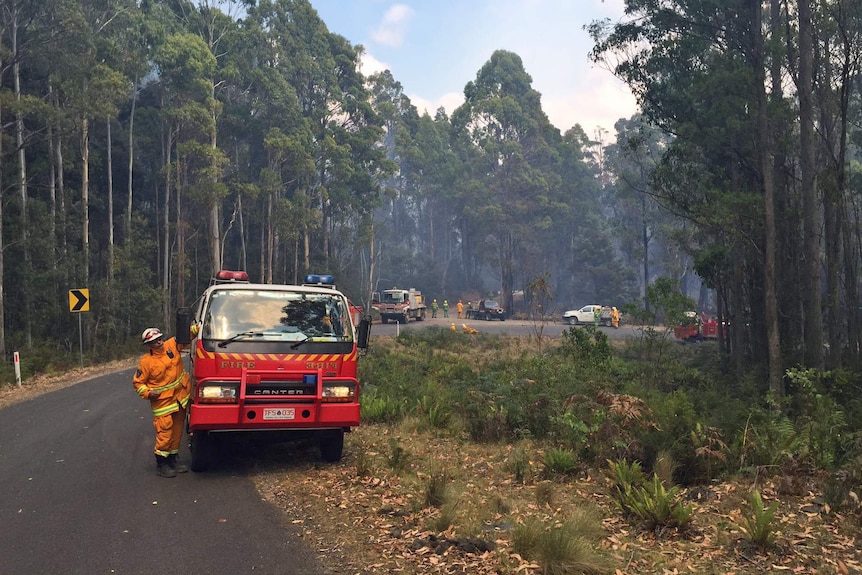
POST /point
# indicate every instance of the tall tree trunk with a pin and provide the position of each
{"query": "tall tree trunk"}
(131, 162)
(810, 205)
(306, 248)
(270, 240)
(2, 245)
(763, 140)
(372, 263)
(166, 250)
(110, 174)
(243, 254)
(645, 240)
(181, 236)
(22, 177)
(85, 201)
(214, 227)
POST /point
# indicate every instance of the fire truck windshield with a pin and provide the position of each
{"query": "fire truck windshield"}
(276, 315)
(393, 297)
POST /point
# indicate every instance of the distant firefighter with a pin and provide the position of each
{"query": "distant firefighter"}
(468, 329)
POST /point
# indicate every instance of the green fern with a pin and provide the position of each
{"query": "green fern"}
(758, 528)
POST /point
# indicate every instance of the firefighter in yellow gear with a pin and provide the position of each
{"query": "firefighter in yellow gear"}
(162, 379)
(615, 317)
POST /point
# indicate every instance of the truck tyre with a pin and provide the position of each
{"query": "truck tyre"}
(572, 321)
(404, 319)
(384, 319)
(201, 447)
(332, 446)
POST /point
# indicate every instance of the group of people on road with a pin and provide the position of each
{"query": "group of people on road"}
(614, 316)
(435, 307)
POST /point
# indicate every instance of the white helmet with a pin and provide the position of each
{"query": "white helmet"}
(151, 334)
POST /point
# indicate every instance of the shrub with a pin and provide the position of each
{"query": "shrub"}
(518, 464)
(758, 528)
(544, 494)
(560, 462)
(378, 407)
(656, 507)
(398, 456)
(587, 346)
(562, 549)
(437, 488)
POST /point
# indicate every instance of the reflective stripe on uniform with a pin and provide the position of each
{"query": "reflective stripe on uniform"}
(173, 406)
(168, 386)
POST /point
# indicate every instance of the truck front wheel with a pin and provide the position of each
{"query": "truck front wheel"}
(201, 446)
(332, 446)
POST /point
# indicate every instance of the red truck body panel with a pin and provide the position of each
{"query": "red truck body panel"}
(273, 358)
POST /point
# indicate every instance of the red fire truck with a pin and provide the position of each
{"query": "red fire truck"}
(697, 327)
(273, 359)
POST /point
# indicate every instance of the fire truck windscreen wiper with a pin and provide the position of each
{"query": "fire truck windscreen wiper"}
(300, 342)
(240, 335)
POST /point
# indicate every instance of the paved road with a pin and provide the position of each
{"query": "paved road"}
(79, 495)
(510, 327)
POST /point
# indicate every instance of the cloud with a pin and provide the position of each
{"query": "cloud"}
(598, 102)
(448, 101)
(393, 28)
(370, 65)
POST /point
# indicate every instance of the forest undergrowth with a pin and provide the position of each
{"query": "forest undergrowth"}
(479, 455)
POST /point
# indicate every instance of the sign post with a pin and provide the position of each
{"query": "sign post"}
(17, 360)
(79, 301)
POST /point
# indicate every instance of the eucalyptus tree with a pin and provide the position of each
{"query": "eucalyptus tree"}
(638, 218)
(580, 248)
(698, 70)
(341, 130)
(401, 242)
(437, 170)
(830, 43)
(186, 66)
(503, 118)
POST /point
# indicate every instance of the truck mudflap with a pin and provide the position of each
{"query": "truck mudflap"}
(278, 400)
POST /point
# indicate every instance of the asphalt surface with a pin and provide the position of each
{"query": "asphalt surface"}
(79, 495)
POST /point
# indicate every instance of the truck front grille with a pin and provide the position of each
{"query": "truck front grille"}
(275, 390)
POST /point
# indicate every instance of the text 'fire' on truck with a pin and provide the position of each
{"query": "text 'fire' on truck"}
(276, 362)
(399, 305)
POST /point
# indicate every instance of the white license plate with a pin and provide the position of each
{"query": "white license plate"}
(279, 413)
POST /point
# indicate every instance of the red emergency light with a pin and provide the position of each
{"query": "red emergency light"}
(231, 276)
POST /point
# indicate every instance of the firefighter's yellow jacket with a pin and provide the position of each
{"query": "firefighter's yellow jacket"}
(163, 370)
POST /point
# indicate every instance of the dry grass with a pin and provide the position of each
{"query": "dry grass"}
(379, 521)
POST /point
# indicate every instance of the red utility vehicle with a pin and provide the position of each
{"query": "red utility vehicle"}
(697, 327)
(275, 360)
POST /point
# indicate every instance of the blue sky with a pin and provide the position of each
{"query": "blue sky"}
(434, 47)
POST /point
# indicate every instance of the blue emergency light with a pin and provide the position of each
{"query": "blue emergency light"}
(318, 279)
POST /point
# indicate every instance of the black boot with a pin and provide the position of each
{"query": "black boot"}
(163, 467)
(173, 461)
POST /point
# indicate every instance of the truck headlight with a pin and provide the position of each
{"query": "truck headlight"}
(217, 393)
(338, 392)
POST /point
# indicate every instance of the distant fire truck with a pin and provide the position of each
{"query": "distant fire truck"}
(399, 305)
(279, 360)
(698, 327)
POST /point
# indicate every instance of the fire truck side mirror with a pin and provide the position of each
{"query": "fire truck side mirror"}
(184, 324)
(363, 330)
